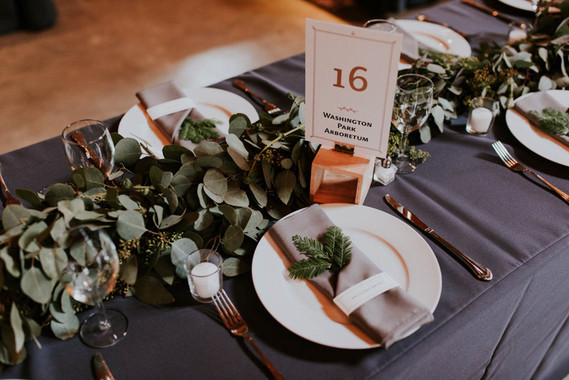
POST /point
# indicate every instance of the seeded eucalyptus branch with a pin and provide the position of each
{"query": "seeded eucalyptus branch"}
(333, 255)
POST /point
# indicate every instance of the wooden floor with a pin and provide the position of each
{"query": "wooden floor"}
(101, 52)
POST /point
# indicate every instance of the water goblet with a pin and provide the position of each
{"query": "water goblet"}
(412, 106)
(89, 276)
(88, 143)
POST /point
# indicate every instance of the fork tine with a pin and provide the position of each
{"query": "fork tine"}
(232, 309)
(221, 310)
(503, 153)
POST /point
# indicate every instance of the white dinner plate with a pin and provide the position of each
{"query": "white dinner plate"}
(437, 37)
(536, 140)
(213, 103)
(524, 5)
(393, 245)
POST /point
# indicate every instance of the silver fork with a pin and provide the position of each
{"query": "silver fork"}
(516, 166)
(269, 107)
(237, 326)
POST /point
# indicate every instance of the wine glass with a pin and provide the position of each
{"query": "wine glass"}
(89, 276)
(88, 143)
(413, 101)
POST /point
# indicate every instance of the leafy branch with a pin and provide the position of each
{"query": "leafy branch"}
(333, 255)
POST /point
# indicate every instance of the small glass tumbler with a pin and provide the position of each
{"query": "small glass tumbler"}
(88, 143)
(205, 276)
(382, 25)
(483, 111)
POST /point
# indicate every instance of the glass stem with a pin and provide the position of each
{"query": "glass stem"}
(104, 322)
(403, 144)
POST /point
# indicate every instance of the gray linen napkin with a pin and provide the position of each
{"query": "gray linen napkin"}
(538, 102)
(388, 317)
(170, 124)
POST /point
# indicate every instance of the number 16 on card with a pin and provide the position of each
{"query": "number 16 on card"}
(350, 85)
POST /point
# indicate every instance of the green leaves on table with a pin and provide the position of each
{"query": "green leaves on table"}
(331, 255)
(223, 195)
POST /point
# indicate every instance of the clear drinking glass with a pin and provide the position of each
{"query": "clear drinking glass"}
(413, 101)
(88, 143)
(381, 24)
(89, 276)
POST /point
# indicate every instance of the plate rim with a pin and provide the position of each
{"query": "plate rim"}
(135, 113)
(436, 277)
(521, 132)
(461, 41)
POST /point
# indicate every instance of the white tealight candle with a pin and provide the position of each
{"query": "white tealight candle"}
(205, 279)
(480, 119)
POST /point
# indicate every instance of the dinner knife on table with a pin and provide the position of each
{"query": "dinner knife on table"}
(479, 271)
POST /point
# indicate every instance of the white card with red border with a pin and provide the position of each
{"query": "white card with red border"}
(350, 86)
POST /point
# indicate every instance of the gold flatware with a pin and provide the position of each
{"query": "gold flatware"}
(424, 18)
(91, 155)
(10, 199)
(269, 107)
(100, 368)
(494, 13)
(513, 164)
(478, 270)
(237, 326)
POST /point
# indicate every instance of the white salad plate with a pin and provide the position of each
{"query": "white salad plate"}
(213, 103)
(536, 140)
(389, 242)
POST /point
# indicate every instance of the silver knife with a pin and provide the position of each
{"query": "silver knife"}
(479, 271)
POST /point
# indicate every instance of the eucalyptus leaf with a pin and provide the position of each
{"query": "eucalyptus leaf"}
(129, 270)
(215, 181)
(208, 148)
(59, 192)
(229, 213)
(238, 124)
(166, 270)
(17, 328)
(284, 183)
(209, 162)
(127, 152)
(259, 194)
(37, 286)
(87, 178)
(127, 202)
(14, 215)
(175, 152)
(233, 266)
(53, 261)
(130, 225)
(232, 238)
(237, 198)
(181, 249)
(238, 158)
(204, 220)
(65, 331)
(28, 239)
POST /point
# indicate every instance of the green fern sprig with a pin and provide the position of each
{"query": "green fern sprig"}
(333, 255)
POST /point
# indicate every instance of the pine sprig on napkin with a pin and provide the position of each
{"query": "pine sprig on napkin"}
(333, 255)
(552, 121)
(196, 131)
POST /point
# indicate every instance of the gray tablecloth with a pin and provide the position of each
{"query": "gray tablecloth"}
(514, 327)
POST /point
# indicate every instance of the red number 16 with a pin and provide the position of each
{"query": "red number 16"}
(357, 82)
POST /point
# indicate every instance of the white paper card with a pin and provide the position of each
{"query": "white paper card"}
(170, 107)
(350, 86)
(355, 296)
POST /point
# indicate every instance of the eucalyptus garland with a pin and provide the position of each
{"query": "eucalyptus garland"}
(222, 195)
(157, 210)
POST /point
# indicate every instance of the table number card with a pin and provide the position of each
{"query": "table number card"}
(350, 86)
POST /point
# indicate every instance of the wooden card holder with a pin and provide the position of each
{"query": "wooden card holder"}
(338, 177)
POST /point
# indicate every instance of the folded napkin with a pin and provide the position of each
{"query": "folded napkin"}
(169, 106)
(387, 317)
(410, 45)
(538, 102)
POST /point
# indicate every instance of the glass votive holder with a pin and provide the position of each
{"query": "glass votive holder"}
(483, 111)
(88, 143)
(517, 32)
(205, 277)
(382, 25)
